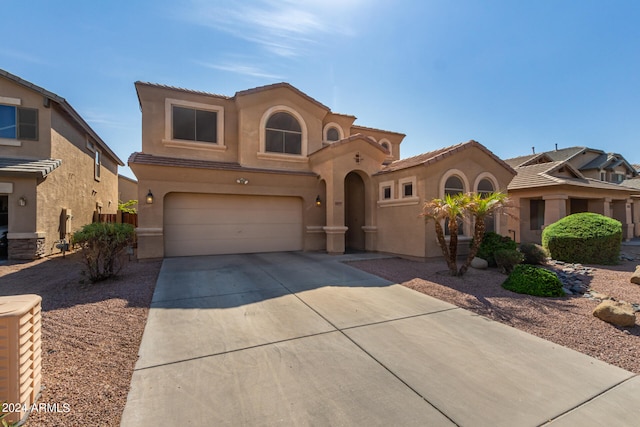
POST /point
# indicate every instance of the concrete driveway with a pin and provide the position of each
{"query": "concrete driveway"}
(303, 339)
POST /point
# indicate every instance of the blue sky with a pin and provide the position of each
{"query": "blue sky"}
(510, 74)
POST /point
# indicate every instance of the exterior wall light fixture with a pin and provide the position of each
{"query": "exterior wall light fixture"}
(242, 181)
(149, 198)
(318, 201)
(22, 201)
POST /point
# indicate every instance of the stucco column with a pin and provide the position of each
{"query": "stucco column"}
(606, 210)
(627, 227)
(335, 228)
(636, 215)
(555, 208)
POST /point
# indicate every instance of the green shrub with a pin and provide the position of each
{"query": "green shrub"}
(491, 242)
(584, 238)
(533, 254)
(537, 281)
(103, 248)
(506, 259)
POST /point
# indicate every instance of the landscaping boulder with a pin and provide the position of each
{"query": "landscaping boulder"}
(616, 312)
(635, 277)
(479, 263)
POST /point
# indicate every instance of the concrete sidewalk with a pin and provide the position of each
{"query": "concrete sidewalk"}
(303, 339)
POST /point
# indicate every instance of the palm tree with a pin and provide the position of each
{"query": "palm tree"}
(453, 207)
(479, 208)
(449, 209)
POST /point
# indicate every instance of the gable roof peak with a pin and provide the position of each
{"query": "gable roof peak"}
(284, 85)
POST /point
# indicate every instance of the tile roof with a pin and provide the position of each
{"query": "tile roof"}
(633, 182)
(437, 155)
(370, 140)
(41, 167)
(281, 85)
(150, 159)
(67, 108)
(542, 175)
(377, 130)
(180, 89)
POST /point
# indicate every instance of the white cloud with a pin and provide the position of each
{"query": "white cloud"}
(285, 27)
(238, 68)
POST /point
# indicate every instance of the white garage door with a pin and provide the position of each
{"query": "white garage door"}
(211, 224)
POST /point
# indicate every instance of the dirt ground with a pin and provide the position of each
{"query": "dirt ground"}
(90, 335)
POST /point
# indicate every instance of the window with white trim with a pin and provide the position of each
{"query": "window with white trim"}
(97, 164)
(454, 185)
(407, 187)
(485, 187)
(386, 191)
(194, 125)
(333, 134)
(18, 122)
(283, 134)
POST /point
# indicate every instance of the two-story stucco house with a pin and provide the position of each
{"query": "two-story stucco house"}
(272, 169)
(55, 171)
(554, 184)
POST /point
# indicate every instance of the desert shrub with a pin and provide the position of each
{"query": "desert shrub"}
(103, 248)
(507, 259)
(492, 242)
(585, 238)
(533, 254)
(531, 280)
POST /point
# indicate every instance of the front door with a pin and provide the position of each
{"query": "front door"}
(354, 212)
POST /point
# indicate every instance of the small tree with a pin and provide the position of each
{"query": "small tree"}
(103, 246)
(128, 206)
(479, 207)
(475, 207)
(449, 209)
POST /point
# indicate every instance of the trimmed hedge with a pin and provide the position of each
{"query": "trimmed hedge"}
(492, 242)
(507, 259)
(533, 254)
(586, 237)
(536, 281)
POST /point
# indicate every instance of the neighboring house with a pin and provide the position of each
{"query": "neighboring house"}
(272, 169)
(127, 190)
(55, 171)
(554, 184)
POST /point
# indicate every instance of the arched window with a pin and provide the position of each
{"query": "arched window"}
(485, 187)
(333, 134)
(453, 186)
(386, 146)
(283, 134)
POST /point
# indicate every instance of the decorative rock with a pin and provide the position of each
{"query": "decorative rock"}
(616, 313)
(479, 263)
(635, 277)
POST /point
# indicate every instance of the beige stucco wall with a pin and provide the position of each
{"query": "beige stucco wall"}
(405, 232)
(164, 180)
(127, 189)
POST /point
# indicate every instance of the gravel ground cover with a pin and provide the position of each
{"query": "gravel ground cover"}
(567, 321)
(90, 335)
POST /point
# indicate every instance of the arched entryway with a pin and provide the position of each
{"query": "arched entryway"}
(354, 212)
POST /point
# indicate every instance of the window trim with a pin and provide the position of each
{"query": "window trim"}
(403, 182)
(168, 140)
(97, 164)
(16, 104)
(381, 190)
(304, 142)
(326, 128)
(492, 179)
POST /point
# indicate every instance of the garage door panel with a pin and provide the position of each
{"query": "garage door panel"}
(206, 224)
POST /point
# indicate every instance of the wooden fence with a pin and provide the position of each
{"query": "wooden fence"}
(119, 217)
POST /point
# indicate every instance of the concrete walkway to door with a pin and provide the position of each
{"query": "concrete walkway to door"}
(303, 339)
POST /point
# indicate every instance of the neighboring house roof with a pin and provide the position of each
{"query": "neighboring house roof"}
(67, 108)
(28, 167)
(633, 182)
(636, 167)
(543, 175)
(437, 155)
(608, 161)
(150, 159)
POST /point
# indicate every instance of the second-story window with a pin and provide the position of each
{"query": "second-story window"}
(18, 122)
(191, 124)
(283, 134)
